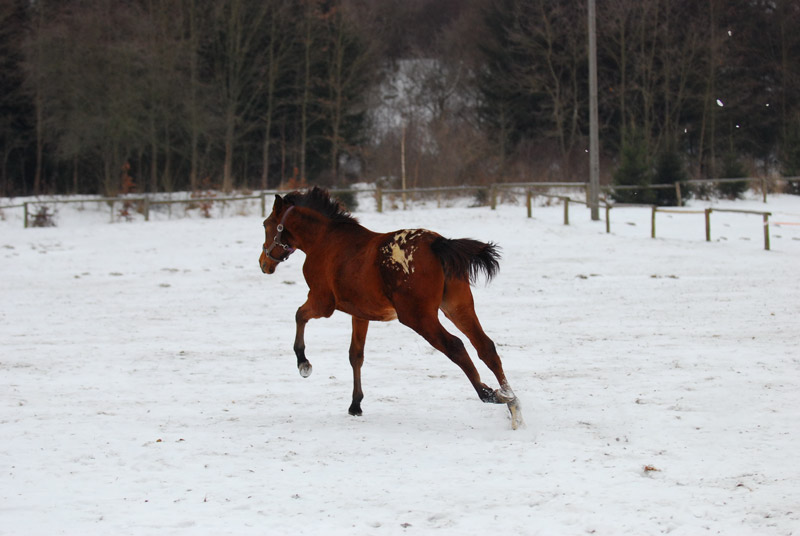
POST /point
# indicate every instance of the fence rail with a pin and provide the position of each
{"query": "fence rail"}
(706, 212)
(109, 200)
(530, 190)
(764, 215)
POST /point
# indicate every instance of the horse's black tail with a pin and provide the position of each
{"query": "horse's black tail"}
(466, 259)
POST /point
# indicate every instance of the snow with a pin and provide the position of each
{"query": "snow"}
(149, 386)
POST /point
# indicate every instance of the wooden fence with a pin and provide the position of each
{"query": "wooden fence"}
(654, 210)
(144, 201)
(530, 190)
(707, 212)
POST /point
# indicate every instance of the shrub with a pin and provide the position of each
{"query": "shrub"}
(480, 198)
(43, 217)
(204, 198)
(669, 170)
(732, 168)
(348, 199)
(128, 186)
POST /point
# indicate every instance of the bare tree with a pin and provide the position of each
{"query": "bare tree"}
(349, 69)
(552, 36)
(656, 53)
(278, 52)
(14, 103)
(85, 68)
(237, 62)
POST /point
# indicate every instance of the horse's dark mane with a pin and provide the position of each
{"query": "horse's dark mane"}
(319, 200)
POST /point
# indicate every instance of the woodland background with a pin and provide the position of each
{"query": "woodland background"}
(98, 96)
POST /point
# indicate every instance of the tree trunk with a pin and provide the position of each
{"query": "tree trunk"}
(193, 115)
(337, 83)
(74, 174)
(37, 175)
(308, 43)
(227, 170)
(153, 156)
(271, 81)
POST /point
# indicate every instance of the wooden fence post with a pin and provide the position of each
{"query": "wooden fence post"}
(678, 193)
(566, 210)
(25, 214)
(263, 204)
(146, 209)
(528, 203)
(608, 218)
(493, 197)
(653, 222)
(708, 225)
(766, 231)
(379, 198)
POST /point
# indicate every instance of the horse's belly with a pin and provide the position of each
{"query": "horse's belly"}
(390, 314)
(381, 314)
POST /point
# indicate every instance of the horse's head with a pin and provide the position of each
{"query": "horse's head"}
(276, 247)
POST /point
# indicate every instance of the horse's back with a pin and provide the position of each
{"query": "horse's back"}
(406, 254)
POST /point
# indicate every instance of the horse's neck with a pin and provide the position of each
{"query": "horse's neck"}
(309, 229)
(316, 233)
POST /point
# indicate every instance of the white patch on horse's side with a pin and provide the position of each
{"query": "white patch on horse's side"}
(400, 251)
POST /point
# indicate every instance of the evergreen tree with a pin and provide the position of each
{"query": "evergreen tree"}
(669, 170)
(790, 159)
(16, 107)
(507, 112)
(634, 170)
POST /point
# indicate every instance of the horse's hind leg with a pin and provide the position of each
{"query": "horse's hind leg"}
(427, 324)
(356, 360)
(458, 306)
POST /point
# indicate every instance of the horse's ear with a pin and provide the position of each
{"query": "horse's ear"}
(278, 204)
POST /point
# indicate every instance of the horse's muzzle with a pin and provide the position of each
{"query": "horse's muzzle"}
(265, 265)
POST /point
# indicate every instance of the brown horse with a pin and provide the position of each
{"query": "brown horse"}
(408, 275)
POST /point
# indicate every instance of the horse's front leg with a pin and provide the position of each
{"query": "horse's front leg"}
(310, 309)
(356, 360)
(303, 365)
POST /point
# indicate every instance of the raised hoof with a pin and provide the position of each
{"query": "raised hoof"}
(488, 396)
(305, 369)
(498, 396)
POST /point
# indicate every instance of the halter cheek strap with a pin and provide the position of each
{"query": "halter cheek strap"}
(277, 240)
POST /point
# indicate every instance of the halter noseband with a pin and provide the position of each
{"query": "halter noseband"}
(277, 241)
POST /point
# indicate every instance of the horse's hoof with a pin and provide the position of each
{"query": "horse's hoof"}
(504, 396)
(355, 412)
(490, 396)
(305, 369)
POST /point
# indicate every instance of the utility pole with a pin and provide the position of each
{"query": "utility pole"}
(594, 144)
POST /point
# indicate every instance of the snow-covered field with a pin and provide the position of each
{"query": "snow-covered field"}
(148, 385)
